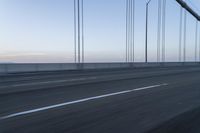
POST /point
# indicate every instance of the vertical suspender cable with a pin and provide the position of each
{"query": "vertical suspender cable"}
(126, 30)
(163, 30)
(199, 43)
(133, 33)
(131, 30)
(184, 37)
(130, 36)
(78, 6)
(196, 41)
(158, 30)
(130, 17)
(82, 18)
(180, 33)
(75, 32)
(146, 33)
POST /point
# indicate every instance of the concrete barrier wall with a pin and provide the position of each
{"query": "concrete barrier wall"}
(15, 68)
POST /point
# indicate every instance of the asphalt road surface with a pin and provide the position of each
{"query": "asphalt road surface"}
(146, 100)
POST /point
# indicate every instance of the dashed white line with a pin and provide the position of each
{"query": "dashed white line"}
(78, 101)
(47, 82)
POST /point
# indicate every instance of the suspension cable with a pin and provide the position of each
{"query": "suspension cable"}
(82, 17)
(158, 30)
(163, 30)
(185, 30)
(196, 41)
(180, 34)
(75, 37)
(133, 34)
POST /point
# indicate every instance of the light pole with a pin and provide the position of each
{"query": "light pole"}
(146, 36)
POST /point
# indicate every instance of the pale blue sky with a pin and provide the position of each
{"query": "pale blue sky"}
(42, 30)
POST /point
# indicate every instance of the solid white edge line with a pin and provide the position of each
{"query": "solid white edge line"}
(78, 101)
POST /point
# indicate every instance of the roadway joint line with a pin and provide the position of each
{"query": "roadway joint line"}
(79, 101)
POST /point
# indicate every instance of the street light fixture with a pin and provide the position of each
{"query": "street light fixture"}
(158, 32)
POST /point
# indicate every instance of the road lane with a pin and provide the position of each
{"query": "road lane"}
(141, 111)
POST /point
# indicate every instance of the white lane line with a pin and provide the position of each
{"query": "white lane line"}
(47, 82)
(79, 101)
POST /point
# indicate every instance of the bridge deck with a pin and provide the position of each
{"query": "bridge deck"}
(103, 101)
